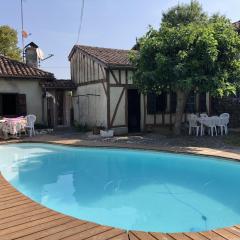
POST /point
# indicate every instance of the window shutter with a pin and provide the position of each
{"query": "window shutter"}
(173, 102)
(151, 103)
(191, 103)
(1, 105)
(161, 103)
(21, 104)
(202, 103)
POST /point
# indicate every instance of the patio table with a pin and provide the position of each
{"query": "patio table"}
(12, 126)
(203, 121)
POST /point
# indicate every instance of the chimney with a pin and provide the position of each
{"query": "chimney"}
(31, 55)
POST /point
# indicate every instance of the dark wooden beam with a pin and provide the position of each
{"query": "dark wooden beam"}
(108, 98)
(117, 106)
(114, 77)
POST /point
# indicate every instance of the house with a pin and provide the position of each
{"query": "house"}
(25, 89)
(106, 96)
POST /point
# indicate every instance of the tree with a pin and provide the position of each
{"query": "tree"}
(8, 43)
(190, 51)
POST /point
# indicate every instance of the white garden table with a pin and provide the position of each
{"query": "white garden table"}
(12, 126)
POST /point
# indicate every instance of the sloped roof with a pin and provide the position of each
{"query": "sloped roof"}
(237, 25)
(59, 84)
(108, 56)
(16, 69)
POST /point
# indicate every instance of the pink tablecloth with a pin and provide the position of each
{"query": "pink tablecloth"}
(13, 125)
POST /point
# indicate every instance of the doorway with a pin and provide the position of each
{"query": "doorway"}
(9, 105)
(60, 107)
(133, 110)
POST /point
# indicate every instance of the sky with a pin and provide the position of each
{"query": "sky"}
(54, 24)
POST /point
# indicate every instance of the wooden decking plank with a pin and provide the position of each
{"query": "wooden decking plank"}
(52, 230)
(180, 236)
(107, 235)
(4, 186)
(89, 233)
(226, 234)
(13, 200)
(18, 210)
(23, 215)
(9, 195)
(195, 236)
(7, 191)
(34, 229)
(70, 231)
(18, 203)
(143, 235)
(131, 236)
(234, 230)
(123, 236)
(212, 235)
(5, 199)
(162, 236)
(26, 220)
(27, 225)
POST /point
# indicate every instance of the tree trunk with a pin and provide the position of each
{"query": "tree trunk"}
(181, 104)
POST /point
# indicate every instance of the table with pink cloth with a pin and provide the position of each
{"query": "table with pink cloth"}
(12, 126)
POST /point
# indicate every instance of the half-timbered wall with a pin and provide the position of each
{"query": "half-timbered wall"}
(120, 82)
(86, 70)
(90, 103)
(90, 98)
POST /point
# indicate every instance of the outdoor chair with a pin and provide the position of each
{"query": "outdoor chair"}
(31, 119)
(220, 124)
(225, 121)
(193, 123)
(203, 115)
(210, 123)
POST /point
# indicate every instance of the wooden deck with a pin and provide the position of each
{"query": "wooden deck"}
(23, 219)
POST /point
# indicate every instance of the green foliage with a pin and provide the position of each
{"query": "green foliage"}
(184, 14)
(8, 43)
(190, 51)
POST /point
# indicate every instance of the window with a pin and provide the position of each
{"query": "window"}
(156, 103)
(202, 103)
(191, 103)
(173, 102)
(12, 104)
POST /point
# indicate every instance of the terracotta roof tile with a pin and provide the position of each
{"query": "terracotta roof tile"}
(108, 56)
(13, 68)
(237, 25)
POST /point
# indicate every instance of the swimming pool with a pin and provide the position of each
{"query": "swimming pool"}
(129, 189)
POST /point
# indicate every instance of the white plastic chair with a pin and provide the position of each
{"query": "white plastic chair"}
(201, 120)
(225, 121)
(193, 123)
(210, 123)
(31, 119)
(219, 124)
(203, 115)
(225, 115)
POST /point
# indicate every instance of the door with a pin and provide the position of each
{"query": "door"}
(50, 111)
(60, 107)
(133, 110)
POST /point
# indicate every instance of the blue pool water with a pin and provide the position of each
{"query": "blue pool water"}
(137, 190)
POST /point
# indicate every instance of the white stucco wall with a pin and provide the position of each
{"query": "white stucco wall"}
(120, 118)
(32, 90)
(90, 110)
